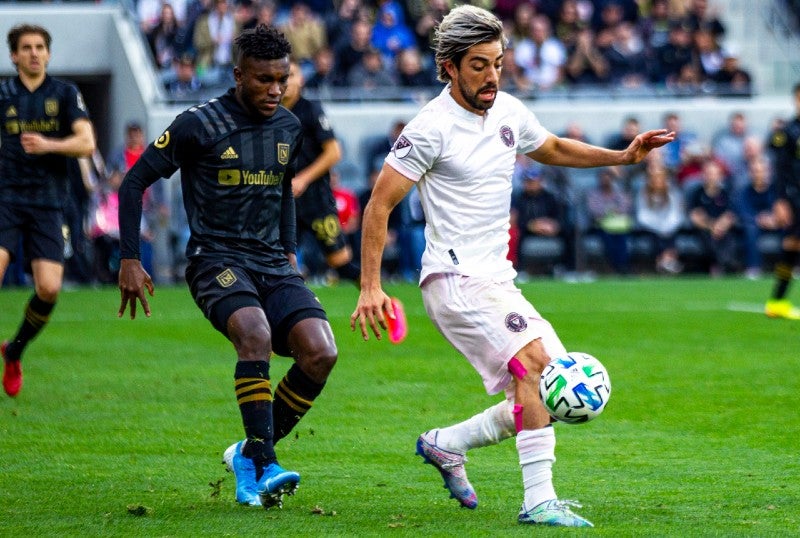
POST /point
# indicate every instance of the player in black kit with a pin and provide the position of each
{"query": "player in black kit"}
(237, 155)
(44, 123)
(786, 146)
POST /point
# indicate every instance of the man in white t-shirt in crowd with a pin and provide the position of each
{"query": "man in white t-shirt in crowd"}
(459, 151)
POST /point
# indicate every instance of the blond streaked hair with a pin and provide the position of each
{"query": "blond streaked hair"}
(463, 27)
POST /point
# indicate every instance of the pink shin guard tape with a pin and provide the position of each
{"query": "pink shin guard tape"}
(516, 368)
(518, 371)
(517, 417)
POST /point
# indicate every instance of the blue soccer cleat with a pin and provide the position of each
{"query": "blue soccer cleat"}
(555, 513)
(244, 470)
(451, 466)
(274, 483)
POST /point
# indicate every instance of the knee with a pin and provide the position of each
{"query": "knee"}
(253, 345)
(321, 359)
(48, 292)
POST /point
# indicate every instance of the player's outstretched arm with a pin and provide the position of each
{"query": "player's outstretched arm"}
(133, 280)
(560, 151)
(373, 304)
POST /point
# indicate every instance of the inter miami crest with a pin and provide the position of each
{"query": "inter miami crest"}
(516, 323)
(507, 136)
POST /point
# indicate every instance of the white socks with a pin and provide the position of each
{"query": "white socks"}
(536, 456)
(488, 427)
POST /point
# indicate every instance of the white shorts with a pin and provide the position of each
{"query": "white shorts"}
(488, 322)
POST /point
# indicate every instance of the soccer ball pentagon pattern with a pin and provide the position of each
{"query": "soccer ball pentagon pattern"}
(575, 388)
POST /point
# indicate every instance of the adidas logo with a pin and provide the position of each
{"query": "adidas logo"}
(229, 154)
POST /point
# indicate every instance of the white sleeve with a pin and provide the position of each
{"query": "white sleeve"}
(417, 148)
(532, 134)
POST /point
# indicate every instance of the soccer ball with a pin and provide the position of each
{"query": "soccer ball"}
(575, 388)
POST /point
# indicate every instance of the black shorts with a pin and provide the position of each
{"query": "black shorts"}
(316, 213)
(793, 230)
(220, 290)
(41, 230)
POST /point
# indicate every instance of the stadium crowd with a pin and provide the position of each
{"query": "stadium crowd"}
(605, 220)
(359, 49)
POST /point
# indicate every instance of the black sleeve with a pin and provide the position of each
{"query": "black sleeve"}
(138, 178)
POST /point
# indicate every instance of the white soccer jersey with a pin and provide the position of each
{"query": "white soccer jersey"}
(463, 163)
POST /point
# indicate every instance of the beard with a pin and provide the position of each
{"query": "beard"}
(472, 98)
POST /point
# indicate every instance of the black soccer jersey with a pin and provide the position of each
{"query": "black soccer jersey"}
(316, 131)
(236, 174)
(51, 109)
(786, 145)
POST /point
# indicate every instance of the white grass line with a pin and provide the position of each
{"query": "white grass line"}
(746, 307)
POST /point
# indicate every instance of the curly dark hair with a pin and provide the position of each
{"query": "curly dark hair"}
(22, 29)
(263, 43)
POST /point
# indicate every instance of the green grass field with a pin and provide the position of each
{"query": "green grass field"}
(121, 424)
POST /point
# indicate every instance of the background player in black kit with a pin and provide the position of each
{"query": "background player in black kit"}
(786, 148)
(237, 157)
(316, 206)
(44, 123)
(315, 203)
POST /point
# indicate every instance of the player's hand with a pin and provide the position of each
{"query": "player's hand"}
(299, 185)
(33, 143)
(370, 310)
(133, 280)
(645, 142)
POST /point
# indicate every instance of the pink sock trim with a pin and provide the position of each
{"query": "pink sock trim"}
(517, 416)
(516, 368)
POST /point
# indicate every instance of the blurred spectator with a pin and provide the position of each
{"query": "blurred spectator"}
(82, 184)
(434, 12)
(246, 14)
(626, 57)
(338, 23)
(324, 76)
(568, 24)
(266, 12)
(213, 43)
(585, 63)
(655, 26)
(410, 71)
(712, 215)
(541, 56)
(370, 74)
(674, 151)
(520, 23)
(512, 78)
(155, 212)
(539, 212)
(148, 13)
(671, 57)
(731, 79)
(185, 83)
(377, 147)
(609, 208)
(727, 145)
(690, 171)
(350, 54)
(164, 38)
(390, 34)
(699, 16)
(349, 212)
(306, 33)
(660, 212)
(754, 208)
(707, 53)
(608, 13)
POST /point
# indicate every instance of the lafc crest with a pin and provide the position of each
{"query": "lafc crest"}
(283, 153)
(51, 107)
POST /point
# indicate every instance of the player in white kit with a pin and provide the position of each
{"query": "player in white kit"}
(459, 151)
